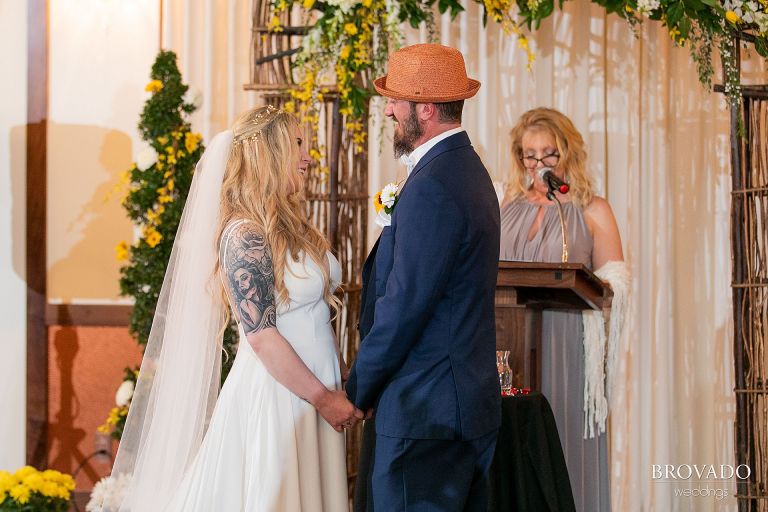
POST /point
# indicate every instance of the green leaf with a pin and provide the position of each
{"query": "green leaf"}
(674, 14)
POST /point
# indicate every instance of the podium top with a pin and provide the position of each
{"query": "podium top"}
(553, 285)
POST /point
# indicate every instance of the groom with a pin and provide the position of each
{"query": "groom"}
(426, 363)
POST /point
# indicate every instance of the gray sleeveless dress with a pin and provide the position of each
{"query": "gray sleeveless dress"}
(562, 349)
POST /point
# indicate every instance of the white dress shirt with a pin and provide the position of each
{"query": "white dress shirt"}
(410, 161)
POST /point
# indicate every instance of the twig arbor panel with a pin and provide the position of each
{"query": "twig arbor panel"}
(749, 243)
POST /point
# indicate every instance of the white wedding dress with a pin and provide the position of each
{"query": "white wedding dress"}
(267, 450)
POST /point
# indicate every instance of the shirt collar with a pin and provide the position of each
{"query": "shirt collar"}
(412, 160)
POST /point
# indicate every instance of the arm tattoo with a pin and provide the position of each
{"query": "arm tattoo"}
(251, 278)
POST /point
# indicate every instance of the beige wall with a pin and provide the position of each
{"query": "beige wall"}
(100, 58)
(13, 116)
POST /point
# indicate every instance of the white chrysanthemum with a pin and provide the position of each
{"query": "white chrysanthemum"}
(389, 195)
(193, 97)
(108, 493)
(646, 7)
(124, 393)
(146, 158)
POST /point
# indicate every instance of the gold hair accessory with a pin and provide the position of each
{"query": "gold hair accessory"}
(260, 121)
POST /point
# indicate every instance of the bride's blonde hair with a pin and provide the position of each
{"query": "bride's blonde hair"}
(260, 185)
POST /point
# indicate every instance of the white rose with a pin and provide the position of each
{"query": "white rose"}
(124, 393)
(146, 158)
(193, 97)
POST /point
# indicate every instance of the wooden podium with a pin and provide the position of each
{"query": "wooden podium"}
(523, 290)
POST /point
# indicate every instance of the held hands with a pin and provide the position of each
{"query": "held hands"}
(337, 410)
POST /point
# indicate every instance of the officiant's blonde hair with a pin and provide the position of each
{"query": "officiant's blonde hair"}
(260, 185)
(570, 146)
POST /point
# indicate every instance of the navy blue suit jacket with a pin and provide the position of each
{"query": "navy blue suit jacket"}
(427, 365)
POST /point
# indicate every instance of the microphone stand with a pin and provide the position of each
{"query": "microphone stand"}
(552, 197)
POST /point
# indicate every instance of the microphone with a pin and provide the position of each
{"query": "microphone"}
(547, 175)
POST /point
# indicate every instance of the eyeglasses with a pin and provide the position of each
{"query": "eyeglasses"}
(531, 162)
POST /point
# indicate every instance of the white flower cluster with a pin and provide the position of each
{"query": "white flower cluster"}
(750, 12)
(146, 158)
(193, 97)
(389, 195)
(646, 7)
(344, 5)
(108, 493)
(124, 393)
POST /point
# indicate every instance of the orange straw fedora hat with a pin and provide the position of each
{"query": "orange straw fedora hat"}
(426, 73)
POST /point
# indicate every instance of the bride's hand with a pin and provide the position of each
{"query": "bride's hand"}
(337, 410)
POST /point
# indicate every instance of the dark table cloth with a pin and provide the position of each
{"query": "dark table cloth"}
(528, 472)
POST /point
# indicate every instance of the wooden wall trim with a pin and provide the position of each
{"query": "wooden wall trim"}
(36, 264)
(88, 315)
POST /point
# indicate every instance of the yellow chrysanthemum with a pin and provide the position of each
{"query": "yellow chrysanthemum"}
(274, 25)
(24, 472)
(350, 29)
(732, 17)
(114, 413)
(163, 140)
(154, 86)
(20, 493)
(377, 204)
(50, 490)
(68, 482)
(170, 185)
(192, 141)
(171, 160)
(153, 238)
(52, 475)
(159, 166)
(121, 251)
(34, 482)
(344, 55)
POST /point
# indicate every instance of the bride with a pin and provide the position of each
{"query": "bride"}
(273, 440)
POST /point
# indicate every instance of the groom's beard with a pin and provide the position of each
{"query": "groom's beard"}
(410, 132)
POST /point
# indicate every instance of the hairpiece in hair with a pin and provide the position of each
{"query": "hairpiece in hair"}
(259, 122)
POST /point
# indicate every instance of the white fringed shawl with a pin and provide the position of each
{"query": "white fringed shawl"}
(601, 352)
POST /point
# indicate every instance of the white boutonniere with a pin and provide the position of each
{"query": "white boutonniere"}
(384, 202)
